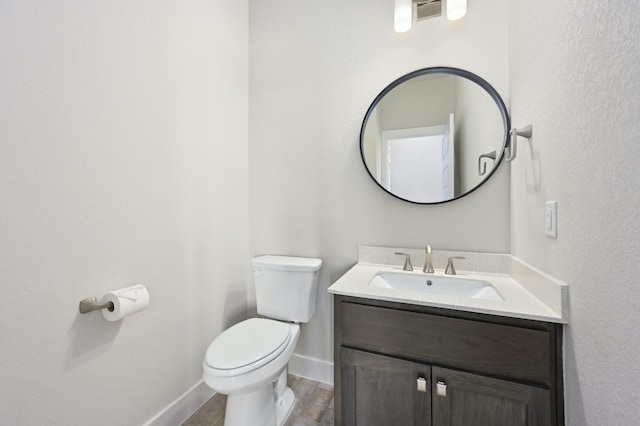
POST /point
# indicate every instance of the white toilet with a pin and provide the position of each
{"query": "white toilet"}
(248, 362)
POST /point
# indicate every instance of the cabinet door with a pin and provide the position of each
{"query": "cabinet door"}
(383, 391)
(463, 399)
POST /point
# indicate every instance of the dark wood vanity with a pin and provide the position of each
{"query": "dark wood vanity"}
(401, 364)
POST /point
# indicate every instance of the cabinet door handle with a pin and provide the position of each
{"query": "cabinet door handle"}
(422, 384)
(441, 388)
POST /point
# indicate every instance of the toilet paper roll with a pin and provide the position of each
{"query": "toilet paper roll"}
(126, 301)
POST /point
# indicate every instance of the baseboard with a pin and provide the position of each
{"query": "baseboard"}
(311, 368)
(183, 407)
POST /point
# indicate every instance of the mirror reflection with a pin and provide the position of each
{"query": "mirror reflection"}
(434, 135)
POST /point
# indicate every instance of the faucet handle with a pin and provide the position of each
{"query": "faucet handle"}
(451, 270)
(407, 262)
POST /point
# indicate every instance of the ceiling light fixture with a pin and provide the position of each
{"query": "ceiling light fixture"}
(402, 16)
(456, 9)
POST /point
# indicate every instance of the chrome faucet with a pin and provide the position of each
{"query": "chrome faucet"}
(407, 262)
(428, 265)
(450, 269)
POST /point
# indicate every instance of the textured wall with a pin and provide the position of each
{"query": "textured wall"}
(573, 75)
(123, 159)
(314, 70)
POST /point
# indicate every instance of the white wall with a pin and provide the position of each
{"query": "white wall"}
(314, 70)
(123, 159)
(573, 75)
(420, 102)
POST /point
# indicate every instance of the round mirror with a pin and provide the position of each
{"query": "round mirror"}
(434, 135)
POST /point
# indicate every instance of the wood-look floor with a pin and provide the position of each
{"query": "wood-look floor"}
(313, 406)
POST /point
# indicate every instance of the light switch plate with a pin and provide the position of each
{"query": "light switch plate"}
(551, 219)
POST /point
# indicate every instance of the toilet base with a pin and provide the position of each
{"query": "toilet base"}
(258, 408)
(251, 409)
(284, 406)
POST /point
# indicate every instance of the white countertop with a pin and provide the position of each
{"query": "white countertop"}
(518, 301)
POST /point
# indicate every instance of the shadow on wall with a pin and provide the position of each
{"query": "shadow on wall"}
(235, 308)
(90, 335)
(533, 169)
(574, 404)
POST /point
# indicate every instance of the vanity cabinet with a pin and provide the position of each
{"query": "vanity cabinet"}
(381, 390)
(400, 364)
(472, 399)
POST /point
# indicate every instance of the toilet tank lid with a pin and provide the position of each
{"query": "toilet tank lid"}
(286, 263)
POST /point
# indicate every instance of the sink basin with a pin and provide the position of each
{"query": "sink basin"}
(433, 284)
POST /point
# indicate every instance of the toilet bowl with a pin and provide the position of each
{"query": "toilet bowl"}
(248, 362)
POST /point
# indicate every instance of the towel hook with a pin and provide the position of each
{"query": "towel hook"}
(525, 132)
(482, 170)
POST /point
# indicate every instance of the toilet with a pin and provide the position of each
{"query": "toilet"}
(248, 361)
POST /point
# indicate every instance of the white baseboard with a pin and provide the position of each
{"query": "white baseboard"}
(183, 407)
(311, 368)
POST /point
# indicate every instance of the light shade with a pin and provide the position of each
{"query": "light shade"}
(402, 16)
(456, 9)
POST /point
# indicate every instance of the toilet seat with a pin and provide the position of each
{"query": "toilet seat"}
(247, 346)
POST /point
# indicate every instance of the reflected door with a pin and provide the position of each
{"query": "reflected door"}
(412, 165)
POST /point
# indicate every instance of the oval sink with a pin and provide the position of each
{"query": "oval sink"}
(433, 284)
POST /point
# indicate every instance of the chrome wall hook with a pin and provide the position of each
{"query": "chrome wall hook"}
(91, 304)
(482, 168)
(525, 132)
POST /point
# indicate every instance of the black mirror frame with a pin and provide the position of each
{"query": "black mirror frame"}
(443, 70)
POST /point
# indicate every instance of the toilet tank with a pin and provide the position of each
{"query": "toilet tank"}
(286, 286)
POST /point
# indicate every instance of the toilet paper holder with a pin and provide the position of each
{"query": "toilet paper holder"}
(91, 304)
